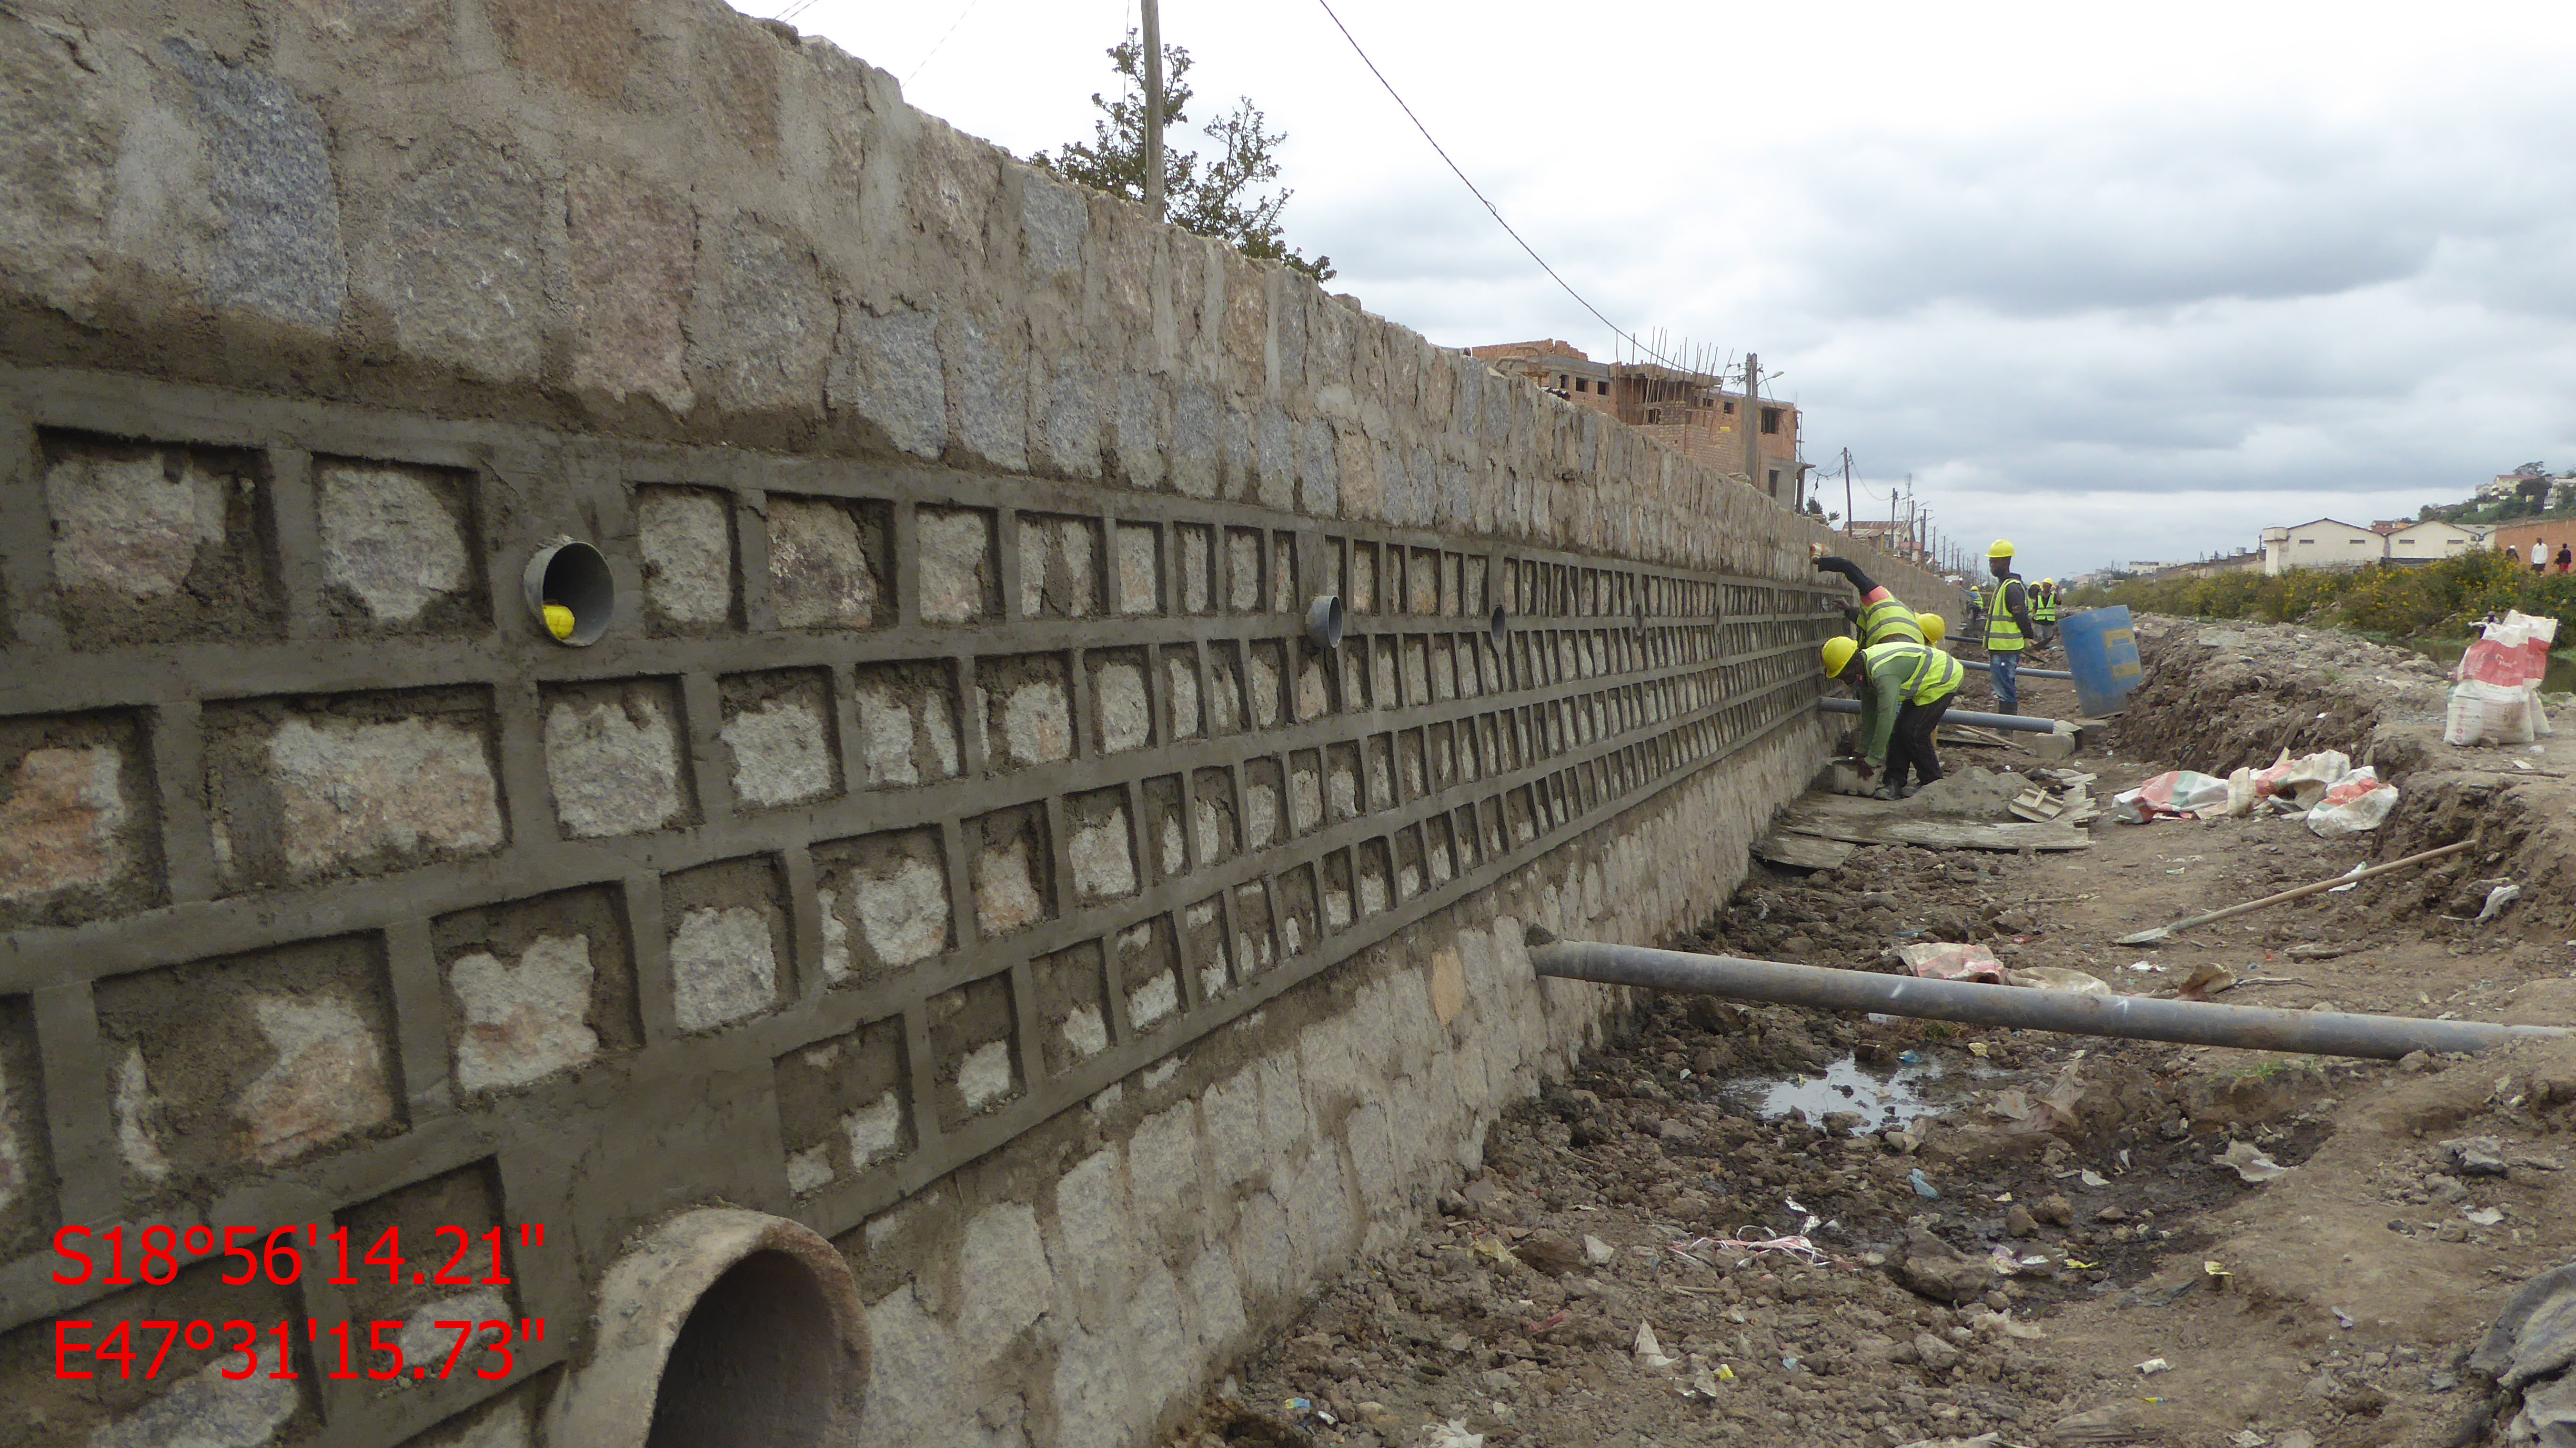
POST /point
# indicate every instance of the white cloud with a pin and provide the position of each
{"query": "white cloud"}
(2111, 281)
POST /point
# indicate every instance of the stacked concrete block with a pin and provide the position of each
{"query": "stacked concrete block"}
(947, 839)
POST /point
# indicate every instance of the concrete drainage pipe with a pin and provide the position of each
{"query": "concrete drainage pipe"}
(720, 1328)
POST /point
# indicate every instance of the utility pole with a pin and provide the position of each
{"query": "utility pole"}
(1751, 421)
(1849, 517)
(1153, 108)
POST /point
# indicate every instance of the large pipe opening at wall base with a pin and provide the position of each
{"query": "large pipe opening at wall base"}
(720, 1328)
(753, 1364)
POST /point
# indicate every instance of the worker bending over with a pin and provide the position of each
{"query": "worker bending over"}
(1905, 689)
(1880, 619)
(2008, 627)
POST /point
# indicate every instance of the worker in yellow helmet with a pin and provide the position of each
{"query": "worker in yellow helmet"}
(1880, 618)
(1935, 628)
(1905, 689)
(2009, 627)
(2043, 611)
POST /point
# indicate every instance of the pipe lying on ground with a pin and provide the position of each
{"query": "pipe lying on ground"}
(2137, 1018)
(2044, 673)
(2023, 722)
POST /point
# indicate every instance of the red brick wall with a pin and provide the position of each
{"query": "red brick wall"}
(2518, 536)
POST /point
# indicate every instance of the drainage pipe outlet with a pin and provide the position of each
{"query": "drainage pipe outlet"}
(720, 1328)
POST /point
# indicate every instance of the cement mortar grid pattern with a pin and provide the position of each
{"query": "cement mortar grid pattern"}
(43, 957)
(1566, 572)
(113, 680)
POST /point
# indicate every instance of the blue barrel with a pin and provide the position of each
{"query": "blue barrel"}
(2102, 653)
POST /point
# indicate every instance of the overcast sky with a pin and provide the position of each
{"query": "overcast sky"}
(2116, 282)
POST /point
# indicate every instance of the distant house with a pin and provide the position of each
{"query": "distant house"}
(2428, 541)
(2323, 543)
(1897, 538)
(2509, 485)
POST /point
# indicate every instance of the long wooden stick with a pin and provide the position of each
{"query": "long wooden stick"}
(2149, 937)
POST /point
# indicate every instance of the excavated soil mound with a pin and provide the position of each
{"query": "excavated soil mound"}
(2217, 697)
(1970, 793)
(2222, 695)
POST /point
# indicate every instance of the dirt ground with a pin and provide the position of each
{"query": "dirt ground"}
(2026, 1234)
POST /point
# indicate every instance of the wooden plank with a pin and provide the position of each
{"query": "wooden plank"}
(1804, 852)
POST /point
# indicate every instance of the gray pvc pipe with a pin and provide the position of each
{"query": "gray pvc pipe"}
(2138, 1018)
(2023, 722)
(2043, 673)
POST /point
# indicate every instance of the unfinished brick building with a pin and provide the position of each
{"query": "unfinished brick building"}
(1689, 412)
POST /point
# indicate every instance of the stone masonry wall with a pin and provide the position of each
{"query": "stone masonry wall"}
(952, 841)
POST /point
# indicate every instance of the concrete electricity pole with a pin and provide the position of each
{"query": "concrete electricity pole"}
(1154, 108)
(1751, 421)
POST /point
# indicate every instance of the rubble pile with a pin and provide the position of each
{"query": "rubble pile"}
(2217, 697)
(1645, 1250)
(2223, 696)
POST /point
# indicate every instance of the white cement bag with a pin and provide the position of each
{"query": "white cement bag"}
(2358, 801)
(2174, 793)
(2484, 713)
(2307, 780)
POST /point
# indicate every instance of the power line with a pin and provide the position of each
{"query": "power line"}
(1126, 22)
(1614, 327)
(943, 37)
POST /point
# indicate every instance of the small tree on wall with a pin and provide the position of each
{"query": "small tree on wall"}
(1220, 195)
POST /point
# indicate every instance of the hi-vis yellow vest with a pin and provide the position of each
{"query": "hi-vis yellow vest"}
(2003, 631)
(1889, 621)
(1935, 674)
(2043, 605)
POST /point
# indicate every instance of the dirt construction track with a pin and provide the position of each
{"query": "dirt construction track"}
(2036, 1237)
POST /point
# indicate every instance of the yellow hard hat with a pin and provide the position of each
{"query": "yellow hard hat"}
(2002, 549)
(1838, 652)
(2051, 582)
(1935, 627)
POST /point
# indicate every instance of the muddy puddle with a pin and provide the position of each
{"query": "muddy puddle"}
(1844, 1090)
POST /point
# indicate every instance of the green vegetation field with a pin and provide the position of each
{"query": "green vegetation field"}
(2442, 598)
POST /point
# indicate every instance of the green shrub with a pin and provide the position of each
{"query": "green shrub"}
(2384, 598)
